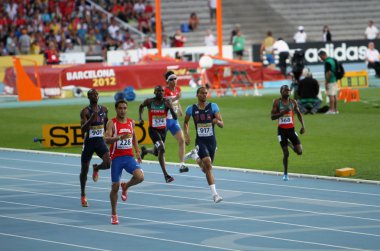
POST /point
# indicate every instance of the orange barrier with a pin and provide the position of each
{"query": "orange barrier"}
(26, 89)
(349, 95)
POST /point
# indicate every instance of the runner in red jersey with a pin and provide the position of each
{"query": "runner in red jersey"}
(158, 108)
(283, 110)
(173, 92)
(121, 135)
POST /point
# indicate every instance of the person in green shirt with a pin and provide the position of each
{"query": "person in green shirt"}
(238, 45)
(331, 85)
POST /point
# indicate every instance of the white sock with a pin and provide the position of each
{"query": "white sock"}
(181, 164)
(195, 156)
(213, 189)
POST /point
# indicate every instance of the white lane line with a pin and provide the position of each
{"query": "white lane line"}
(226, 190)
(174, 224)
(118, 233)
(54, 242)
(206, 213)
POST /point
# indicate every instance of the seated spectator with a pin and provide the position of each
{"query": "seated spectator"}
(371, 32)
(300, 36)
(308, 89)
(372, 58)
(52, 54)
(147, 43)
(178, 39)
(149, 9)
(210, 39)
(143, 23)
(138, 8)
(193, 21)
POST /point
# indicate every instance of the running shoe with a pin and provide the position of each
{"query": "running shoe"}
(183, 169)
(114, 219)
(124, 195)
(217, 198)
(191, 155)
(285, 177)
(83, 200)
(143, 152)
(169, 178)
(95, 173)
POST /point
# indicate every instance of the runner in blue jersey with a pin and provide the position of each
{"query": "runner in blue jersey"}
(205, 115)
(93, 119)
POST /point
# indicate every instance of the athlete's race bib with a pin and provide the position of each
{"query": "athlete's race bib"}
(124, 144)
(96, 131)
(285, 120)
(204, 130)
(158, 121)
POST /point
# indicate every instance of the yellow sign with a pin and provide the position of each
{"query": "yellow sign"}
(69, 135)
(7, 61)
(355, 79)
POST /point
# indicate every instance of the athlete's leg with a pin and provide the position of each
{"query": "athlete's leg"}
(83, 177)
(113, 196)
(285, 159)
(138, 177)
(181, 145)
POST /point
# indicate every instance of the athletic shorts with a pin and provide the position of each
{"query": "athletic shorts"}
(128, 163)
(206, 149)
(157, 134)
(288, 134)
(332, 89)
(173, 126)
(95, 145)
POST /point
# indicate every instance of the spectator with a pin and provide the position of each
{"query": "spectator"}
(300, 36)
(372, 58)
(267, 47)
(148, 9)
(282, 48)
(326, 34)
(209, 38)
(52, 54)
(371, 32)
(234, 32)
(238, 45)
(24, 43)
(3, 50)
(212, 7)
(308, 89)
(143, 23)
(138, 8)
(141, 51)
(147, 43)
(179, 40)
(113, 28)
(193, 21)
(331, 85)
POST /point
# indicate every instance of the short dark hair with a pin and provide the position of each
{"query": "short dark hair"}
(283, 87)
(120, 101)
(199, 89)
(322, 53)
(167, 74)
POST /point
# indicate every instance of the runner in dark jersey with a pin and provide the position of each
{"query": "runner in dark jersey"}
(205, 115)
(93, 122)
(283, 110)
(158, 108)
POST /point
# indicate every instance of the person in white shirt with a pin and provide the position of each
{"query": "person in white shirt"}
(209, 38)
(372, 58)
(281, 48)
(371, 32)
(300, 36)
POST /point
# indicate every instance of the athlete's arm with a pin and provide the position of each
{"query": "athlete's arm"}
(299, 115)
(141, 110)
(136, 145)
(186, 129)
(86, 119)
(109, 132)
(169, 106)
(275, 113)
(218, 120)
(105, 117)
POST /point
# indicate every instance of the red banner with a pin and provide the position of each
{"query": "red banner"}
(116, 78)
